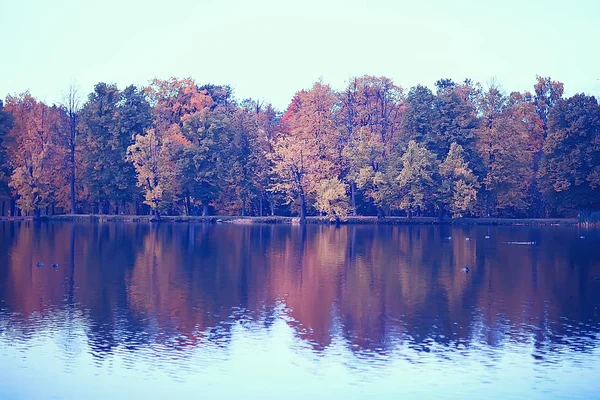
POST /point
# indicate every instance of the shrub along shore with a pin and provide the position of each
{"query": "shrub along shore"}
(309, 220)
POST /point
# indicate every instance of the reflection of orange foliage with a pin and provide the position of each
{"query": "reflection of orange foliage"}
(305, 275)
(153, 287)
(177, 282)
(30, 289)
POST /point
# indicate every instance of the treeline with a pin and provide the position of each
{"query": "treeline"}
(176, 147)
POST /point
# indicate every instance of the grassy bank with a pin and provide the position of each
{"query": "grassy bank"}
(310, 220)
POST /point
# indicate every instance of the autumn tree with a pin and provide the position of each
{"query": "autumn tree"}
(204, 122)
(36, 154)
(332, 199)
(547, 94)
(152, 158)
(458, 185)
(305, 150)
(506, 153)
(570, 168)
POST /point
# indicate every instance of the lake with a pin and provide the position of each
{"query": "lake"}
(277, 311)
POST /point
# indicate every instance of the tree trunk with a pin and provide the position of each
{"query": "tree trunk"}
(260, 206)
(380, 213)
(156, 217)
(188, 205)
(72, 179)
(243, 207)
(3, 206)
(272, 207)
(13, 207)
(353, 197)
(302, 208)
(488, 204)
(204, 209)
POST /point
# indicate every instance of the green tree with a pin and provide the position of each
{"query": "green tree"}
(369, 121)
(456, 119)
(6, 124)
(417, 178)
(109, 123)
(419, 117)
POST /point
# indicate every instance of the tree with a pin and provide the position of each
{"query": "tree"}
(332, 199)
(6, 124)
(305, 151)
(203, 161)
(417, 178)
(456, 119)
(458, 187)
(368, 169)
(71, 108)
(155, 166)
(507, 156)
(547, 94)
(570, 168)
(369, 120)
(36, 153)
(522, 110)
(419, 116)
(109, 123)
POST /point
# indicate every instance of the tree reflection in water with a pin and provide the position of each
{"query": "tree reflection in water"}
(376, 289)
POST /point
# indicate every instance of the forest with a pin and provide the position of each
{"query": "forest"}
(176, 147)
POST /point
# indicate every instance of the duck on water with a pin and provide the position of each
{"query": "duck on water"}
(41, 264)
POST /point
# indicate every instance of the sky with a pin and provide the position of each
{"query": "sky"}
(269, 49)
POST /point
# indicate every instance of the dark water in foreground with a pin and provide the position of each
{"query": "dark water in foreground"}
(222, 311)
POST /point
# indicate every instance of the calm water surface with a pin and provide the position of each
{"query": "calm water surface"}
(271, 312)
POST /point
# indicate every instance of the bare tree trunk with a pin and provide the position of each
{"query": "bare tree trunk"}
(72, 108)
(188, 204)
(302, 208)
(204, 209)
(353, 196)
(13, 207)
(260, 206)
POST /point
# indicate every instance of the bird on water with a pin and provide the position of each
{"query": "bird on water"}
(39, 264)
(55, 265)
(465, 270)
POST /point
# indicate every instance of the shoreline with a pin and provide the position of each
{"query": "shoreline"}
(309, 220)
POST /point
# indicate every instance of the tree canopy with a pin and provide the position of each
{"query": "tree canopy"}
(179, 147)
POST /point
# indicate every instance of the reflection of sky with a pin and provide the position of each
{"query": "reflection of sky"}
(273, 363)
(357, 310)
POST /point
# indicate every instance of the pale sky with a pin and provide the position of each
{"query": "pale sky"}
(269, 49)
